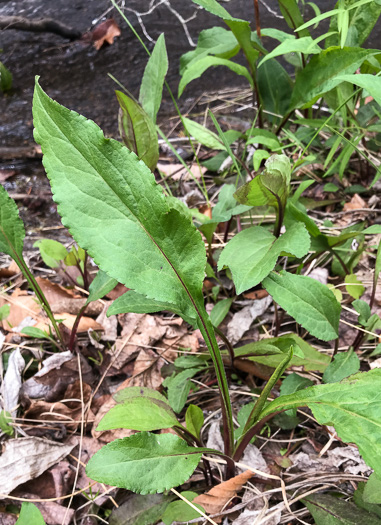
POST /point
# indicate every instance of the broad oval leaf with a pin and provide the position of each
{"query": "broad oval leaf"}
(12, 231)
(100, 286)
(121, 396)
(323, 72)
(145, 463)
(139, 413)
(30, 515)
(137, 130)
(309, 302)
(343, 365)
(253, 253)
(52, 252)
(353, 407)
(114, 209)
(151, 88)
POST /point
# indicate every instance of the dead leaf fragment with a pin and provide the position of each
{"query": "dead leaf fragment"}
(178, 171)
(105, 32)
(355, 203)
(214, 501)
(12, 381)
(26, 458)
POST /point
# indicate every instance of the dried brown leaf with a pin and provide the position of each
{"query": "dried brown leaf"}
(215, 499)
(26, 458)
(105, 32)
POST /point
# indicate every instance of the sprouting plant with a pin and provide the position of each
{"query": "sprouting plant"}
(115, 210)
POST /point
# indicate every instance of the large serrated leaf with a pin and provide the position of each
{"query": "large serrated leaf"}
(323, 72)
(145, 463)
(253, 253)
(309, 302)
(139, 413)
(12, 231)
(114, 209)
(353, 407)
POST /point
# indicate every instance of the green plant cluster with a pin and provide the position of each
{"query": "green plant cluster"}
(144, 238)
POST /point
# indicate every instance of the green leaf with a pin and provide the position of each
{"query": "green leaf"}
(139, 413)
(253, 253)
(6, 78)
(30, 515)
(275, 96)
(134, 391)
(270, 352)
(242, 31)
(309, 302)
(362, 19)
(354, 287)
(358, 498)
(5, 419)
(371, 83)
(297, 213)
(292, 45)
(5, 310)
(330, 510)
(100, 286)
(52, 252)
(292, 16)
(215, 8)
(194, 419)
(220, 311)
(343, 365)
(265, 137)
(372, 491)
(114, 209)
(140, 304)
(145, 463)
(179, 387)
(269, 186)
(373, 230)
(151, 88)
(137, 130)
(180, 510)
(323, 73)
(140, 510)
(216, 41)
(363, 309)
(197, 68)
(31, 331)
(293, 383)
(12, 230)
(353, 407)
(203, 134)
(227, 206)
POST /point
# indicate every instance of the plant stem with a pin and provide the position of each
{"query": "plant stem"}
(257, 19)
(75, 327)
(280, 216)
(249, 436)
(207, 331)
(227, 343)
(40, 296)
(255, 413)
